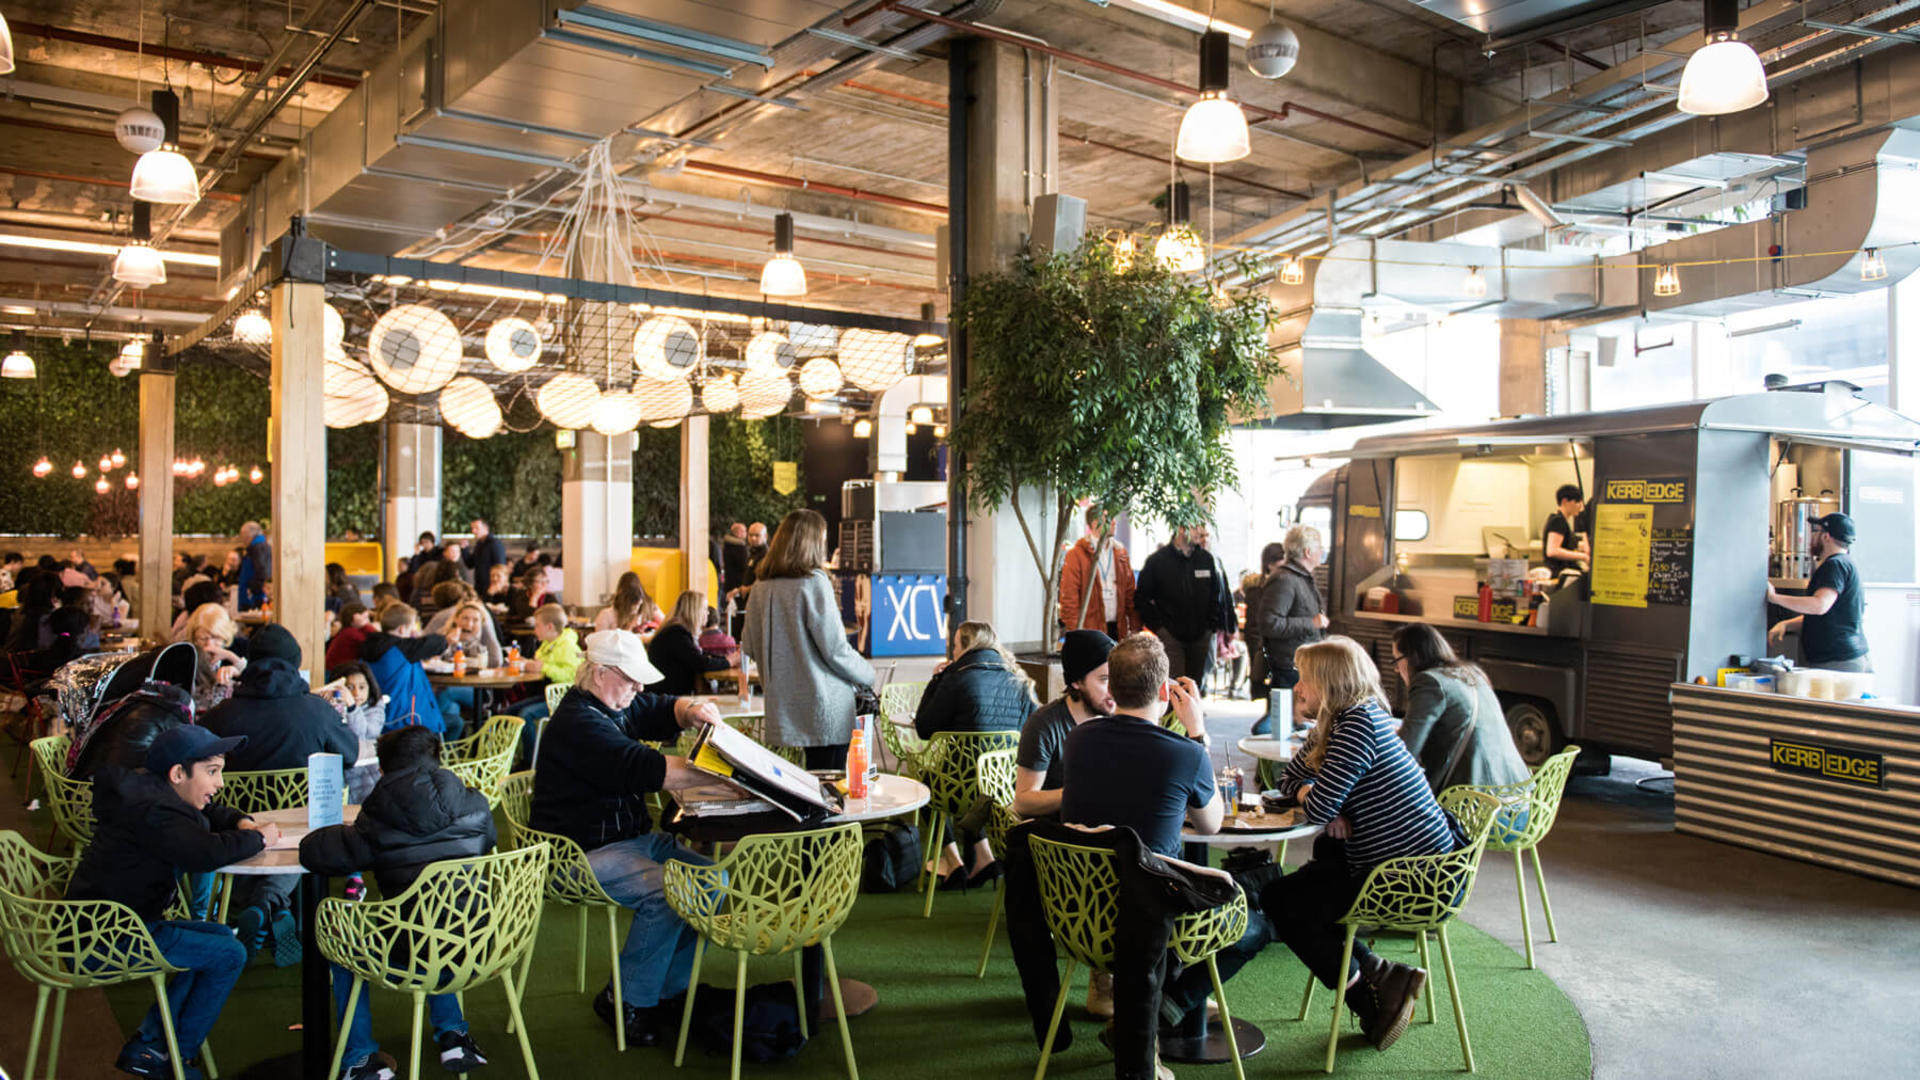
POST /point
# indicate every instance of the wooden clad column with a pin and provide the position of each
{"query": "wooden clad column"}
(694, 502)
(156, 496)
(297, 443)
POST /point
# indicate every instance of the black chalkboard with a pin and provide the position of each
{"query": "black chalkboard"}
(1670, 567)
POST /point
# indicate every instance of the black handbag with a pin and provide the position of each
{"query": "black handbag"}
(891, 858)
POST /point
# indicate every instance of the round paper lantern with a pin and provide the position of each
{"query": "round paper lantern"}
(673, 423)
(513, 344)
(568, 399)
(764, 394)
(768, 351)
(414, 349)
(350, 394)
(663, 400)
(617, 412)
(252, 328)
(468, 404)
(667, 347)
(720, 395)
(333, 328)
(874, 360)
(820, 378)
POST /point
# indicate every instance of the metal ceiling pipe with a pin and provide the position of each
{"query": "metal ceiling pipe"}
(755, 176)
(186, 56)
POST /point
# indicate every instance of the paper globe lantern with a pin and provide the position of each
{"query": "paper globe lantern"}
(764, 394)
(350, 395)
(720, 395)
(768, 351)
(667, 347)
(414, 349)
(468, 404)
(820, 378)
(252, 328)
(874, 360)
(568, 399)
(513, 344)
(673, 423)
(663, 400)
(117, 367)
(617, 412)
(333, 328)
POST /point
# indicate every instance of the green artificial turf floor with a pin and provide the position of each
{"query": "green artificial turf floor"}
(935, 1021)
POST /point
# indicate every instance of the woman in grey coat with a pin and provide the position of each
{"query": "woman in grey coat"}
(1290, 613)
(794, 635)
(1455, 726)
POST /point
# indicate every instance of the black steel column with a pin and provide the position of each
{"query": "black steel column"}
(960, 98)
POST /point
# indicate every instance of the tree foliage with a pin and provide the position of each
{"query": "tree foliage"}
(1088, 379)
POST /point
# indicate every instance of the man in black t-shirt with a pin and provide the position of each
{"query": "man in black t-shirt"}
(1043, 739)
(1829, 615)
(1563, 537)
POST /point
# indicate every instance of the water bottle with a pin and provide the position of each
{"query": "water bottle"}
(1229, 785)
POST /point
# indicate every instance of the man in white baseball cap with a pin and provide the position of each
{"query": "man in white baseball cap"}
(591, 786)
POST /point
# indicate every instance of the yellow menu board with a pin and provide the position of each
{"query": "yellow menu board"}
(1622, 553)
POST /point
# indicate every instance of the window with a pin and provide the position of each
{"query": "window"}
(1411, 525)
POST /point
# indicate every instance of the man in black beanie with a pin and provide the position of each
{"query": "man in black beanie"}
(1083, 667)
(283, 722)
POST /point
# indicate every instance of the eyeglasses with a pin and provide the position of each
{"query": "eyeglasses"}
(1397, 658)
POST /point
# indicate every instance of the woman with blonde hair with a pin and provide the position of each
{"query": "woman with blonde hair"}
(794, 633)
(631, 609)
(980, 689)
(211, 631)
(675, 649)
(1355, 777)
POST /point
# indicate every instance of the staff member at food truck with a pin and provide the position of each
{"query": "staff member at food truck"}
(1565, 532)
(1829, 615)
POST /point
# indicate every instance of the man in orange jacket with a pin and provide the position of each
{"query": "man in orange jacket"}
(1111, 581)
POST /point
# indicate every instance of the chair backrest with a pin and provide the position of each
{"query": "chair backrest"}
(570, 877)
(1419, 892)
(71, 800)
(499, 743)
(781, 891)
(27, 871)
(556, 691)
(266, 790)
(67, 944)
(461, 923)
(899, 701)
(949, 765)
(1080, 895)
(995, 776)
(495, 733)
(1528, 807)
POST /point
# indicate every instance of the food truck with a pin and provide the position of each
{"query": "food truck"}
(1683, 504)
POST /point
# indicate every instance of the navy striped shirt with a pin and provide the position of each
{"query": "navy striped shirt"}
(1368, 777)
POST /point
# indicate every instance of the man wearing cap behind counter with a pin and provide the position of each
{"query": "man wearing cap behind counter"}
(151, 826)
(1829, 615)
(591, 787)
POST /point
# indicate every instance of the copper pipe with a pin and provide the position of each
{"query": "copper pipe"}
(755, 176)
(185, 56)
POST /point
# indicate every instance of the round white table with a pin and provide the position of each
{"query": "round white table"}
(888, 795)
(1267, 748)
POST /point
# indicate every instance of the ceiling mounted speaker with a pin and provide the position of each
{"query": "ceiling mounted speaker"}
(414, 349)
(764, 394)
(513, 344)
(874, 360)
(768, 351)
(568, 400)
(820, 378)
(468, 404)
(617, 412)
(667, 347)
(139, 130)
(720, 395)
(350, 393)
(1273, 50)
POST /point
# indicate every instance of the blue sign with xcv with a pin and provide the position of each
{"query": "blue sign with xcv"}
(909, 614)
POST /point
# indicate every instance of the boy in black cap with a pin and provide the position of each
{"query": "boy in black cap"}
(1829, 615)
(150, 827)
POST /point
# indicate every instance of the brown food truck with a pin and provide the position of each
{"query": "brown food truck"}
(1681, 501)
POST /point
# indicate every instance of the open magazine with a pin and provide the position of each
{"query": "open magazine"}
(769, 778)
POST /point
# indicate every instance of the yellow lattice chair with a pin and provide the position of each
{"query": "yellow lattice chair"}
(62, 945)
(570, 882)
(1527, 813)
(496, 746)
(898, 703)
(996, 778)
(463, 922)
(772, 894)
(259, 792)
(950, 769)
(70, 800)
(1080, 896)
(554, 692)
(1417, 894)
(487, 741)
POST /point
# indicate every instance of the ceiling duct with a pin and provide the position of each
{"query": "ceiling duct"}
(1332, 381)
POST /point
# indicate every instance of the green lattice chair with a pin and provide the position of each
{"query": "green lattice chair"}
(996, 779)
(570, 883)
(70, 800)
(1080, 896)
(1527, 813)
(898, 703)
(496, 746)
(950, 768)
(63, 945)
(1417, 894)
(483, 743)
(554, 692)
(259, 792)
(772, 894)
(462, 923)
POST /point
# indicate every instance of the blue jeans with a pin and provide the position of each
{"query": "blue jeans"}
(657, 959)
(451, 700)
(443, 1012)
(213, 960)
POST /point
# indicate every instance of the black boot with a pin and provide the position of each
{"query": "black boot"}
(642, 1028)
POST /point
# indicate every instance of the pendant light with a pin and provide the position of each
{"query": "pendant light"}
(1214, 129)
(1476, 282)
(1292, 272)
(6, 47)
(1724, 75)
(1667, 281)
(862, 428)
(783, 275)
(138, 265)
(1873, 265)
(1179, 248)
(133, 355)
(165, 175)
(17, 365)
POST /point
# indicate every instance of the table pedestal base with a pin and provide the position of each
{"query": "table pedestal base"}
(1210, 1048)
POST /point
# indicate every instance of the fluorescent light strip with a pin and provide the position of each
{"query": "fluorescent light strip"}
(84, 247)
(1186, 18)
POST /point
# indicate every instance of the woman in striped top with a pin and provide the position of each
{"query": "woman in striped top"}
(1355, 777)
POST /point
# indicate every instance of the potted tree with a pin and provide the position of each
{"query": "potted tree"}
(1112, 379)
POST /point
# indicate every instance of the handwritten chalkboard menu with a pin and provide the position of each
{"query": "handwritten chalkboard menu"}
(1670, 567)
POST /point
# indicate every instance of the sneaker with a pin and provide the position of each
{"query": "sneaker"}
(641, 1027)
(356, 889)
(378, 1066)
(1100, 996)
(139, 1058)
(458, 1052)
(251, 928)
(287, 947)
(1384, 1001)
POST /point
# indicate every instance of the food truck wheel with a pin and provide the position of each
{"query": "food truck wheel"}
(1534, 730)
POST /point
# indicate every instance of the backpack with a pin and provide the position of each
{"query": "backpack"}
(892, 858)
(769, 1029)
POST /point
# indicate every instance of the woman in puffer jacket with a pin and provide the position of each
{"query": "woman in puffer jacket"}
(981, 689)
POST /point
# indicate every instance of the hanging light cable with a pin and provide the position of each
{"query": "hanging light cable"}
(1724, 75)
(138, 265)
(1214, 129)
(164, 175)
(783, 275)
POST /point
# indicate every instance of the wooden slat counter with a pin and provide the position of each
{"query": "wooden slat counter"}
(1827, 781)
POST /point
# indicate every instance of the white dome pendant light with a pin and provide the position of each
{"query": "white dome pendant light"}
(1725, 75)
(783, 274)
(165, 175)
(1214, 129)
(138, 265)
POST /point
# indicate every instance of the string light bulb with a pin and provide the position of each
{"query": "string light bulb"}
(255, 475)
(1123, 253)
(1476, 282)
(939, 431)
(101, 487)
(1873, 265)
(79, 470)
(133, 481)
(106, 463)
(1292, 272)
(1667, 281)
(862, 428)
(42, 468)
(117, 458)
